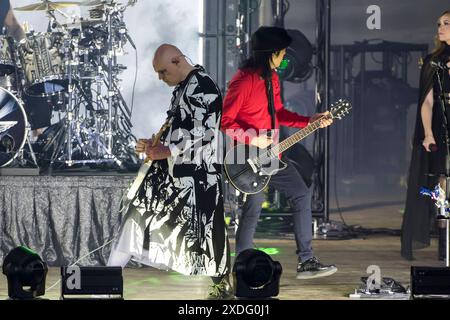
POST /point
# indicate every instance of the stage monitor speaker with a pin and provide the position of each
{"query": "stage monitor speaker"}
(91, 282)
(430, 281)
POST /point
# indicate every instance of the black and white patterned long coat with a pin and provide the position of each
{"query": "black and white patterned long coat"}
(177, 221)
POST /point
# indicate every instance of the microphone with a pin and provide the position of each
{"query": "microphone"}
(124, 32)
(130, 40)
(432, 147)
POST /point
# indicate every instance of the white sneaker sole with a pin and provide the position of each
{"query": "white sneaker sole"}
(313, 275)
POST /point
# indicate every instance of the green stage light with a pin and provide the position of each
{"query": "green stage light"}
(283, 65)
(296, 65)
(269, 251)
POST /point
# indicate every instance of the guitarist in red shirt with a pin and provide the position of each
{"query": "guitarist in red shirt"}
(249, 113)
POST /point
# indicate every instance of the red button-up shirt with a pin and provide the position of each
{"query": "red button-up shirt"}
(246, 109)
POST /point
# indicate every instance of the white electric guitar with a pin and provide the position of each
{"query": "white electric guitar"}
(143, 170)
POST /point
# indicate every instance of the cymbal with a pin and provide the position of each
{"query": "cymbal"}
(48, 5)
(91, 3)
(83, 23)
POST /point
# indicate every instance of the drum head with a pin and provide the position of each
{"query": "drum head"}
(43, 64)
(47, 89)
(12, 127)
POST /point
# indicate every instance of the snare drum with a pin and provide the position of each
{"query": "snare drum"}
(43, 64)
(7, 62)
(13, 130)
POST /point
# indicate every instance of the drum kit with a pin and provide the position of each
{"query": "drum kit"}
(74, 67)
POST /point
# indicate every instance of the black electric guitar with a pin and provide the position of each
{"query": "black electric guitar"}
(249, 168)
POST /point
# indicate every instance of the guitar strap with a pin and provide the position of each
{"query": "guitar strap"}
(176, 102)
(269, 90)
(166, 127)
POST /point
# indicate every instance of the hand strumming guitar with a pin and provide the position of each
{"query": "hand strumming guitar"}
(325, 122)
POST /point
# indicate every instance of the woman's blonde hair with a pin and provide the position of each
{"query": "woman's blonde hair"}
(439, 45)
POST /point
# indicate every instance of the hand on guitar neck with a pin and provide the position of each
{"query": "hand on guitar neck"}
(263, 142)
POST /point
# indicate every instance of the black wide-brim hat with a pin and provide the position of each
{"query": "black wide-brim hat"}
(270, 39)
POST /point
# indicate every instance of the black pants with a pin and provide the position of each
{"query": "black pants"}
(290, 182)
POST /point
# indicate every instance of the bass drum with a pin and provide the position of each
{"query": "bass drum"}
(13, 129)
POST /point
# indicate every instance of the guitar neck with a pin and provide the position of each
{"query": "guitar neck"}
(296, 137)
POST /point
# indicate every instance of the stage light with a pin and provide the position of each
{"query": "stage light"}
(296, 65)
(256, 275)
(26, 273)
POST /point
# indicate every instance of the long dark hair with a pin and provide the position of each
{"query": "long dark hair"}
(439, 45)
(260, 61)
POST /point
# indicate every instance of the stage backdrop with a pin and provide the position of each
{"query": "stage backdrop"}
(62, 218)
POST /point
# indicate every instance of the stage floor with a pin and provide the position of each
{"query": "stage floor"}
(352, 257)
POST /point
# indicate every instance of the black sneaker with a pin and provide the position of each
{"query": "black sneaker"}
(312, 268)
(221, 291)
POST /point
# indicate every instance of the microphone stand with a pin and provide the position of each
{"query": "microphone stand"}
(443, 212)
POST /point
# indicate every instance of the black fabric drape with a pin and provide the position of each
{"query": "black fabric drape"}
(61, 218)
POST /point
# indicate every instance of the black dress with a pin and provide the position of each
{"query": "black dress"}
(437, 158)
(425, 167)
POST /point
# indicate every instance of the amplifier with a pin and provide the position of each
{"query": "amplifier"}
(430, 281)
(85, 282)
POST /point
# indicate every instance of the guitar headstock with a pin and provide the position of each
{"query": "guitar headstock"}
(340, 108)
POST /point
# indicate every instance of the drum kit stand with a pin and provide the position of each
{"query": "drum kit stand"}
(74, 67)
